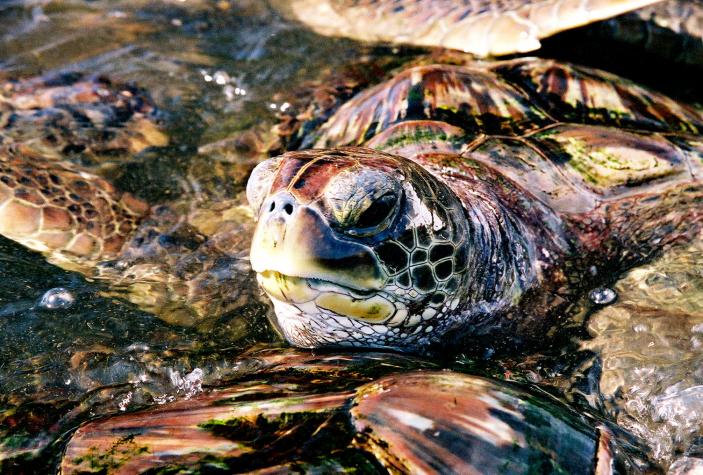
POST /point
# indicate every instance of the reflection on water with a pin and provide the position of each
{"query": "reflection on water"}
(72, 349)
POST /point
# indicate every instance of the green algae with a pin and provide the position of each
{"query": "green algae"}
(104, 462)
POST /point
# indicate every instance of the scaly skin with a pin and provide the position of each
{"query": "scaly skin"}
(52, 207)
(480, 27)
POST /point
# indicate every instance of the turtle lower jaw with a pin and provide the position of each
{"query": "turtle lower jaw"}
(317, 295)
(298, 289)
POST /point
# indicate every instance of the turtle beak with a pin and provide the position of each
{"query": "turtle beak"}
(294, 241)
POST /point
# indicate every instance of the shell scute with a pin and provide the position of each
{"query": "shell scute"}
(471, 98)
(522, 162)
(612, 163)
(72, 218)
(417, 136)
(583, 95)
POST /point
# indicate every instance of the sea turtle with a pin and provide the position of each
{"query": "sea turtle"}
(185, 261)
(477, 201)
(488, 28)
(296, 412)
(659, 42)
(439, 115)
(597, 148)
(60, 136)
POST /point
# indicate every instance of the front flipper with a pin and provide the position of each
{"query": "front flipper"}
(73, 217)
(480, 27)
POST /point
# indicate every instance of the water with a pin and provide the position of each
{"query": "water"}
(57, 298)
(650, 347)
(72, 349)
(602, 296)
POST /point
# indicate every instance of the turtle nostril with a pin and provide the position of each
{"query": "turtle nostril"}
(282, 205)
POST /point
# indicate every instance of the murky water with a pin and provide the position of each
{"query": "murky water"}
(215, 69)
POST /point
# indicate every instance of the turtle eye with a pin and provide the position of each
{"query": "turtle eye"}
(376, 214)
(363, 201)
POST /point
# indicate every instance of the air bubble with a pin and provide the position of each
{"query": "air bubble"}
(188, 385)
(602, 296)
(57, 298)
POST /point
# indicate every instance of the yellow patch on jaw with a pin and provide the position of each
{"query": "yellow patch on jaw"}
(286, 288)
(374, 309)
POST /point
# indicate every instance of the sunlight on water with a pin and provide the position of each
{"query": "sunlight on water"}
(650, 346)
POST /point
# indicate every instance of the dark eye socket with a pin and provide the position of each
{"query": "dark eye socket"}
(379, 211)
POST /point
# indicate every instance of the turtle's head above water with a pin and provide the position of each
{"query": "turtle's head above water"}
(357, 248)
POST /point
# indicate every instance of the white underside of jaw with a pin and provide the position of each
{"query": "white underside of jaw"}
(307, 326)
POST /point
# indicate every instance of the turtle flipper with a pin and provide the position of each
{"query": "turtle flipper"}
(480, 27)
(75, 218)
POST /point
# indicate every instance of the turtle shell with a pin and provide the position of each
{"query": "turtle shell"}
(362, 412)
(583, 136)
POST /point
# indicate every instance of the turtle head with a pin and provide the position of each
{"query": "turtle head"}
(357, 247)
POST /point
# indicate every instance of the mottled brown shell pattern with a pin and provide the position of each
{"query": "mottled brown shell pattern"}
(55, 208)
(584, 136)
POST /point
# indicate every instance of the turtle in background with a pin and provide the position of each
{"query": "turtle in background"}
(62, 137)
(658, 42)
(482, 27)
